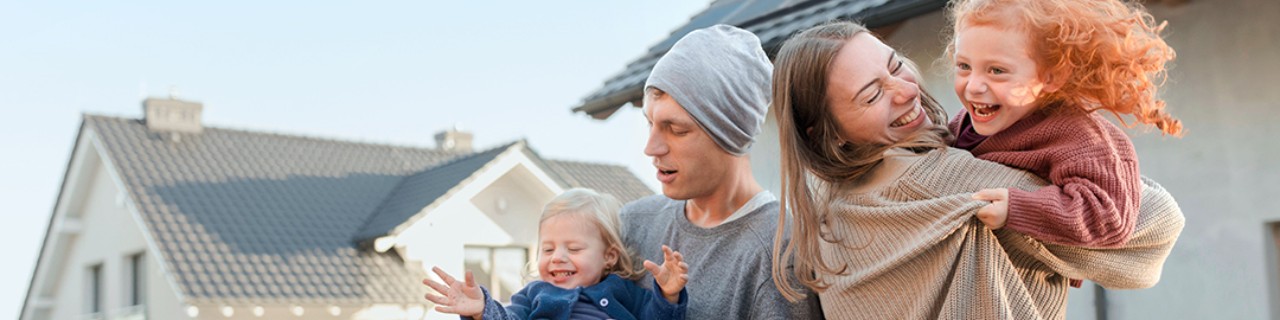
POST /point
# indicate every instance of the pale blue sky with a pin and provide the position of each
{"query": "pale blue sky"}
(388, 72)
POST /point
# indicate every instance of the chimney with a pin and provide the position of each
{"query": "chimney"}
(454, 140)
(172, 115)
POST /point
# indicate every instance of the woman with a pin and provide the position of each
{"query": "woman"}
(883, 210)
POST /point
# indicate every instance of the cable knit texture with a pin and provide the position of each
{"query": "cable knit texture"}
(914, 249)
(1093, 170)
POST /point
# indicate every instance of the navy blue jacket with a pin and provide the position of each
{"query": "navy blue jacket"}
(620, 298)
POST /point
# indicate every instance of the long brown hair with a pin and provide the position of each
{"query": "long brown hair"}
(807, 134)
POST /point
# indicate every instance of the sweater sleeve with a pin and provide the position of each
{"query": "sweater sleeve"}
(1138, 264)
(1092, 202)
(655, 306)
(519, 308)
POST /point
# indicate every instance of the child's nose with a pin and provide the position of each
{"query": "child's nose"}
(560, 255)
(976, 85)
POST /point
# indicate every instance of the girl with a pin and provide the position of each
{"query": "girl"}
(585, 272)
(1030, 74)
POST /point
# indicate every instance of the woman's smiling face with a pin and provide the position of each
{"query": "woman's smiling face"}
(872, 94)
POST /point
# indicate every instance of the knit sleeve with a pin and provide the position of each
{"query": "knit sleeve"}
(1092, 202)
(519, 308)
(1138, 264)
(655, 305)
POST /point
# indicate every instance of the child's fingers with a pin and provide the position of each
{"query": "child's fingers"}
(471, 280)
(677, 256)
(988, 195)
(652, 267)
(444, 276)
(438, 287)
(437, 299)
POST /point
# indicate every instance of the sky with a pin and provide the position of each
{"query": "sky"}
(384, 72)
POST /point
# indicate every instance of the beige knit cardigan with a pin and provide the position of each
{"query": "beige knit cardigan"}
(914, 249)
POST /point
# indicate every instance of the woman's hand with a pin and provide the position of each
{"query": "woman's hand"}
(463, 299)
(993, 215)
(672, 275)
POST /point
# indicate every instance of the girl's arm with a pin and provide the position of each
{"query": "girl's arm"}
(470, 301)
(1092, 202)
(671, 276)
(668, 298)
(1093, 171)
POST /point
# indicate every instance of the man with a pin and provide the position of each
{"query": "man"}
(706, 100)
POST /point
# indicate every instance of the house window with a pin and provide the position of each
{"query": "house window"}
(500, 269)
(94, 285)
(135, 280)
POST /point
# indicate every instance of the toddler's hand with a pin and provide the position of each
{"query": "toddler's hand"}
(460, 298)
(993, 215)
(672, 275)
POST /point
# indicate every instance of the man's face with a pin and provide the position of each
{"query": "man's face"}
(690, 164)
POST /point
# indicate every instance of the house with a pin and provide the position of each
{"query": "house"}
(164, 218)
(1222, 173)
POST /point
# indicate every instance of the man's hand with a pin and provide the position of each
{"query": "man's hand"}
(672, 275)
(463, 299)
(993, 215)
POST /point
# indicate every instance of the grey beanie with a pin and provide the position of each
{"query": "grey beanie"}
(721, 76)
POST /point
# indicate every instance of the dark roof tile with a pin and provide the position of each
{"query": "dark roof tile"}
(244, 215)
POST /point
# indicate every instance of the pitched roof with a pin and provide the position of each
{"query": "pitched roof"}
(611, 179)
(772, 20)
(419, 190)
(240, 215)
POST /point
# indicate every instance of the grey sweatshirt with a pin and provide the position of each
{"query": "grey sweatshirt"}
(729, 265)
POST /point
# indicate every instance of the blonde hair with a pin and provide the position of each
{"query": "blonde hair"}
(1107, 54)
(602, 211)
(807, 134)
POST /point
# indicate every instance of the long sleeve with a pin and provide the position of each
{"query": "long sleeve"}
(914, 250)
(1135, 265)
(519, 308)
(656, 306)
(1093, 170)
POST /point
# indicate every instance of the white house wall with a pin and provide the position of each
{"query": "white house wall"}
(109, 236)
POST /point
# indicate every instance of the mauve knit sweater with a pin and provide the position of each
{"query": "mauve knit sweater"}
(1092, 168)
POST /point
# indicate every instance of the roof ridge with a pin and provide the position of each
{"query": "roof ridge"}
(399, 185)
(588, 162)
(288, 135)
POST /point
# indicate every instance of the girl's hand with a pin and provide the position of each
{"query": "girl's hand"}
(463, 299)
(672, 275)
(993, 215)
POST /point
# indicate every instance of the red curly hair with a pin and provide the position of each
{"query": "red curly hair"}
(1107, 54)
